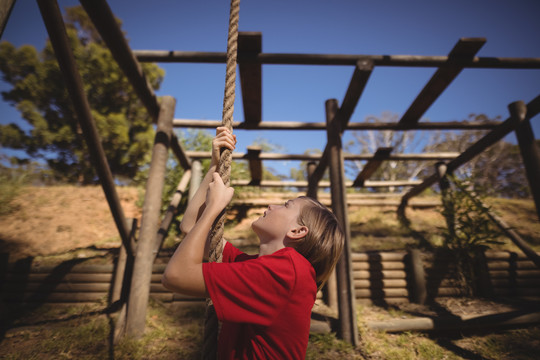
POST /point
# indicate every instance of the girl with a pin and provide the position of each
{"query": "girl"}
(264, 301)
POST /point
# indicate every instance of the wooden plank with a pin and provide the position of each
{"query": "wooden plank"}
(378, 256)
(501, 255)
(249, 46)
(296, 125)
(372, 165)
(339, 59)
(196, 155)
(514, 274)
(383, 274)
(376, 266)
(382, 284)
(464, 50)
(515, 283)
(503, 265)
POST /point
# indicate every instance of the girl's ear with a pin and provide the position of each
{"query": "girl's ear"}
(298, 232)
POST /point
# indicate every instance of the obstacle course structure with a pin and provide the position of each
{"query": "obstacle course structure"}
(138, 255)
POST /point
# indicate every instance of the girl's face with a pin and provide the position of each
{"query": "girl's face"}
(277, 220)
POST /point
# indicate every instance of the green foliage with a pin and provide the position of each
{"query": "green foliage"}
(469, 229)
(38, 92)
(499, 169)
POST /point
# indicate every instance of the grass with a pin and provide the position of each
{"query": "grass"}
(10, 187)
(84, 332)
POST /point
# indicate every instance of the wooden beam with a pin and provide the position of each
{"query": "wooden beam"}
(249, 46)
(178, 150)
(296, 125)
(57, 33)
(464, 50)
(255, 164)
(103, 19)
(172, 211)
(339, 59)
(326, 184)
(358, 82)
(372, 165)
(314, 157)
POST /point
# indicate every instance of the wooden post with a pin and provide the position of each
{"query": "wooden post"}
(528, 148)
(120, 268)
(347, 309)
(171, 212)
(312, 185)
(418, 277)
(142, 270)
(255, 164)
(249, 46)
(330, 289)
(196, 178)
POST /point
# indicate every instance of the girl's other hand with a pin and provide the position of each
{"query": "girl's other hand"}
(218, 195)
(224, 139)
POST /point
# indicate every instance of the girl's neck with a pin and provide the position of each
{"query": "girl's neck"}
(270, 248)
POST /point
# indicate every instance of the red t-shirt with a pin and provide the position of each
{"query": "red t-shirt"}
(263, 302)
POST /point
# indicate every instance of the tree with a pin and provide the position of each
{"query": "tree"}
(367, 142)
(52, 133)
(498, 170)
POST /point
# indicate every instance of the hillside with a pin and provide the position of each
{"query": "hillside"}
(45, 221)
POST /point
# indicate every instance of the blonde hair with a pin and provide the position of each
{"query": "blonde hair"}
(323, 244)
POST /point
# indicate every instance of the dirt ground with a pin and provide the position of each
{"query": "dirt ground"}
(53, 220)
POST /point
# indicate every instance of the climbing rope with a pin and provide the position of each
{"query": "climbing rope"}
(211, 326)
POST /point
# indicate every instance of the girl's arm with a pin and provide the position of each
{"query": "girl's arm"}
(184, 273)
(223, 139)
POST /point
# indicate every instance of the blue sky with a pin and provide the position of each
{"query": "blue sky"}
(298, 93)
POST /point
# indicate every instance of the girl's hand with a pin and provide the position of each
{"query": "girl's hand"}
(224, 139)
(218, 195)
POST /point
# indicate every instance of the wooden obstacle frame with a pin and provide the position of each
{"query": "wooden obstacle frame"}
(139, 251)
